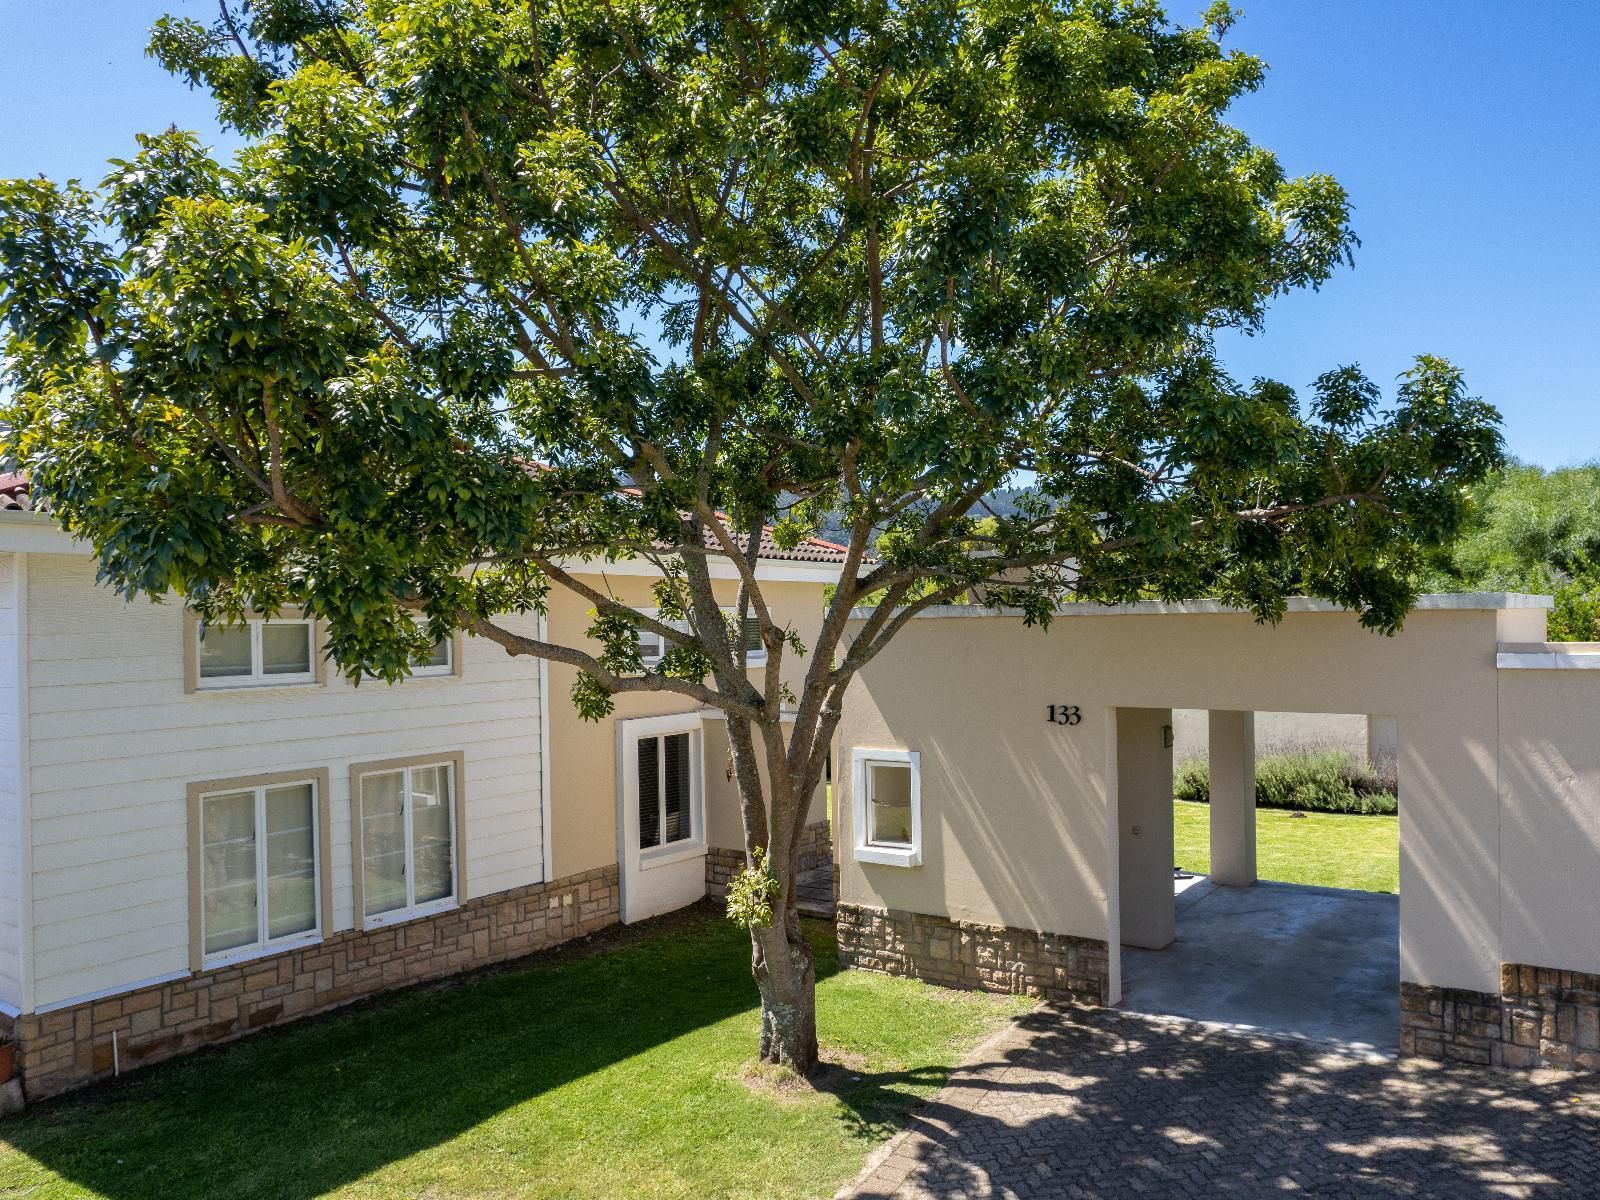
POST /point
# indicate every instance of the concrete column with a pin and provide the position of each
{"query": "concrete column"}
(1233, 798)
(1144, 826)
(1383, 739)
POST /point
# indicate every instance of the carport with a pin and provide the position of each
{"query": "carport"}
(1317, 964)
(1000, 806)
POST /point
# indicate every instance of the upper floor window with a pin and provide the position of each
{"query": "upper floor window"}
(652, 646)
(255, 653)
(440, 660)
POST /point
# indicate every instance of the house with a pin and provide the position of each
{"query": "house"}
(1014, 831)
(206, 832)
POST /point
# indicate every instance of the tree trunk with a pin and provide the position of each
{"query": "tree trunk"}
(781, 963)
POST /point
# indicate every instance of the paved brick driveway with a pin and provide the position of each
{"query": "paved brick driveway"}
(1115, 1105)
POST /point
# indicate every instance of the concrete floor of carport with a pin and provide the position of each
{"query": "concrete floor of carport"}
(1320, 964)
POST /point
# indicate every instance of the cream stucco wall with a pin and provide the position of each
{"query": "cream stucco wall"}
(1550, 818)
(1018, 813)
(583, 758)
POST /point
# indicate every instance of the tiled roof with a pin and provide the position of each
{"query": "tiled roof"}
(810, 550)
(15, 497)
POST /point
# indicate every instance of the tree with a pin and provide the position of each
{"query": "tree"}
(1532, 530)
(491, 287)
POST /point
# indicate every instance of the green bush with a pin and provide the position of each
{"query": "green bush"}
(1319, 781)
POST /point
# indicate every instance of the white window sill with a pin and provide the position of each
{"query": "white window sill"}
(413, 677)
(399, 916)
(885, 856)
(674, 852)
(754, 661)
(232, 958)
(257, 685)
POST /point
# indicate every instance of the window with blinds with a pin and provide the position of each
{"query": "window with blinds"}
(666, 790)
(652, 646)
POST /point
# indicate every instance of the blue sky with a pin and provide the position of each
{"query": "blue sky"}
(1467, 133)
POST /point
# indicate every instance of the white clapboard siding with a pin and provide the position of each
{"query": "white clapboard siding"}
(114, 743)
(10, 794)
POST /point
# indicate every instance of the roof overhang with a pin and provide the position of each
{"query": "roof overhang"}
(775, 571)
(37, 533)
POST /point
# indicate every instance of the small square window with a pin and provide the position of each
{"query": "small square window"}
(285, 648)
(225, 652)
(888, 807)
(439, 660)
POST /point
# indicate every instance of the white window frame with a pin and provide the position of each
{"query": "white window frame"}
(411, 910)
(258, 677)
(435, 672)
(756, 658)
(645, 729)
(888, 856)
(451, 668)
(263, 945)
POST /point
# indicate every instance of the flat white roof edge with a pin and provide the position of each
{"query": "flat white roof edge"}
(1463, 601)
(1554, 656)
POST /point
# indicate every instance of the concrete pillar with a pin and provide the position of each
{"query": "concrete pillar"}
(1233, 798)
(1383, 740)
(1144, 827)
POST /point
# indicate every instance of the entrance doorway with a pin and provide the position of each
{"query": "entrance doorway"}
(661, 824)
(1218, 942)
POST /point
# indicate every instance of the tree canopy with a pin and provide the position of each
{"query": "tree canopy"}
(495, 288)
(1531, 530)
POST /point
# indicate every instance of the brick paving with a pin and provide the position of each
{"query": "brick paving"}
(1092, 1104)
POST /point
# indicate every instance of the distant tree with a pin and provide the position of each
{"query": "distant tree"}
(1532, 530)
(761, 264)
(1527, 526)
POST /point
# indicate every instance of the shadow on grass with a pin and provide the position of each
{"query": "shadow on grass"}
(305, 1109)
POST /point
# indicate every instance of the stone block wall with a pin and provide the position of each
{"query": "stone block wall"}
(1541, 1017)
(816, 845)
(722, 865)
(964, 954)
(70, 1047)
(816, 849)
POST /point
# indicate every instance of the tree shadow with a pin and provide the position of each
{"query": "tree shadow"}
(1102, 1104)
(307, 1108)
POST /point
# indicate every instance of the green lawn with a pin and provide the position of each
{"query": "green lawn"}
(582, 1074)
(1325, 849)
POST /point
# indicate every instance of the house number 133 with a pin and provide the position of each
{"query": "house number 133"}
(1063, 714)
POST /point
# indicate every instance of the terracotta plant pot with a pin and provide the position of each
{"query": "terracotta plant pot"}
(8, 1061)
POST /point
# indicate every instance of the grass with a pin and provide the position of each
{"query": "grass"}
(1324, 849)
(578, 1074)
